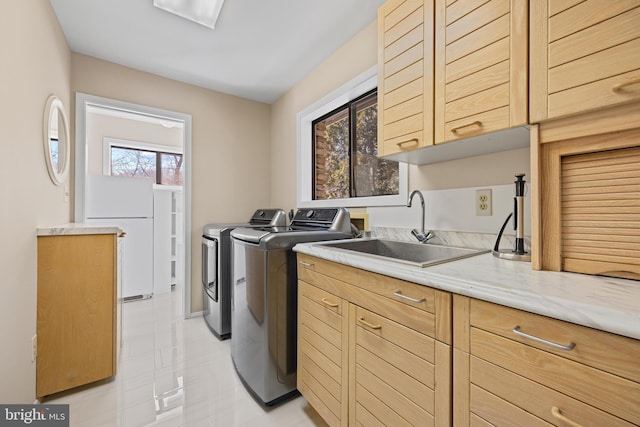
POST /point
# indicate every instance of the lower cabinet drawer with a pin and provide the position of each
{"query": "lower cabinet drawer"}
(502, 397)
(581, 344)
(608, 393)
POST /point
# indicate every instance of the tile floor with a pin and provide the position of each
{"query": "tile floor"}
(174, 372)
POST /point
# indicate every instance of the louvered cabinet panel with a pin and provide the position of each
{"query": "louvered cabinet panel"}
(372, 350)
(405, 75)
(600, 205)
(584, 56)
(394, 372)
(481, 55)
(322, 355)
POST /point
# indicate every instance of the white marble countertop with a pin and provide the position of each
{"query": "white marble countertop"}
(604, 303)
(78, 228)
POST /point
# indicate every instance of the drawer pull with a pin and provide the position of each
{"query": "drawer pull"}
(408, 141)
(305, 264)
(569, 347)
(370, 325)
(399, 294)
(456, 130)
(558, 415)
(618, 88)
(330, 304)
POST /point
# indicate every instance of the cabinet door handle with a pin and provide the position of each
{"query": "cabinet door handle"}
(618, 88)
(329, 303)
(305, 264)
(399, 295)
(568, 347)
(558, 415)
(456, 130)
(408, 141)
(370, 325)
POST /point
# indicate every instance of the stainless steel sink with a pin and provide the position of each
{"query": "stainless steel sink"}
(421, 255)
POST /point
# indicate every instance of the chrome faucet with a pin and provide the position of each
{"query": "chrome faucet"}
(422, 235)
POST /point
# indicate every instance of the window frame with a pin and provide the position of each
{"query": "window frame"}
(158, 149)
(350, 91)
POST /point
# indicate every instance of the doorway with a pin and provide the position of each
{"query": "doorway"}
(86, 107)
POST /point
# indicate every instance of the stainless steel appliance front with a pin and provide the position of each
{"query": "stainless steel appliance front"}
(216, 268)
(264, 302)
(264, 315)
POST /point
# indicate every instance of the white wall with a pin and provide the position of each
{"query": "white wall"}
(35, 64)
(230, 143)
(453, 210)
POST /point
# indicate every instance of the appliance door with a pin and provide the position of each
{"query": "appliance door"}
(137, 255)
(264, 320)
(119, 197)
(213, 307)
(210, 267)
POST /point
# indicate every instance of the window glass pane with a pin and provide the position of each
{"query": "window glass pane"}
(372, 176)
(131, 162)
(171, 169)
(331, 151)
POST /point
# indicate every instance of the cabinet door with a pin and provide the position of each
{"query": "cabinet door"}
(395, 373)
(405, 75)
(322, 354)
(76, 311)
(584, 56)
(481, 67)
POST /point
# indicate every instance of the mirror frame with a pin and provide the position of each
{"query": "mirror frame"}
(54, 106)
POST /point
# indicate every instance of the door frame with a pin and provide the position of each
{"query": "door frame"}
(81, 167)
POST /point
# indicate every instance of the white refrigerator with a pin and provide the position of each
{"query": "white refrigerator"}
(127, 203)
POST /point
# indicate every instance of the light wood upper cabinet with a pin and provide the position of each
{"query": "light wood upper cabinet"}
(516, 368)
(584, 56)
(77, 311)
(481, 60)
(405, 75)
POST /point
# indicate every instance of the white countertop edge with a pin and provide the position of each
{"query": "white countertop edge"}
(77, 229)
(604, 303)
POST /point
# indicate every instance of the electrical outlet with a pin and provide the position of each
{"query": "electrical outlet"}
(34, 346)
(484, 202)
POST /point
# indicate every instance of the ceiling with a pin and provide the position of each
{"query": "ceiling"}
(258, 50)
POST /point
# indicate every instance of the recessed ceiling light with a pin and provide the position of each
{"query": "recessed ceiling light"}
(204, 12)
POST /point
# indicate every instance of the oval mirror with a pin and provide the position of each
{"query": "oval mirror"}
(56, 139)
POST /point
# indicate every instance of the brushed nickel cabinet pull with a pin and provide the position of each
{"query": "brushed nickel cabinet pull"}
(618, 87)
(399, 294)
(370, 325)
(558, 415)
(412, 141)
(327, 302)
(456, 130)
(305, 264)
(568, 347)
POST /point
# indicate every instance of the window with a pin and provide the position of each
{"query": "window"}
(337, 151)
(345, 149)
(144, 161)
